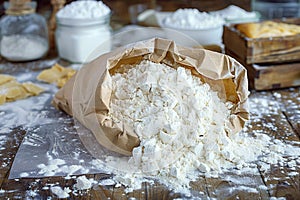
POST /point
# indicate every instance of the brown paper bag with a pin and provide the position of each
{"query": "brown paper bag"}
(87, 95)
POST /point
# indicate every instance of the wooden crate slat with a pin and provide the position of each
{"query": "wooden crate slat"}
(262, 50)
(271, 76)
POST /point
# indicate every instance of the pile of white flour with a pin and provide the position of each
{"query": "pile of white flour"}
(191, 18)
(84, 10)
(181, 124)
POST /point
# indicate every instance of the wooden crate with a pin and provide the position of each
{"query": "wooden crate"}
(274, 76)
(262, 50)
(271, 76)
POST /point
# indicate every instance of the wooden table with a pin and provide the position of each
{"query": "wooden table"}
(283, 123)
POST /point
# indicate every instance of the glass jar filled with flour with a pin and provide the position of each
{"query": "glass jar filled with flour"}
(23, 33)
(83, 31)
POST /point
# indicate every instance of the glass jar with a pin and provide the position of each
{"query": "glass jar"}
(82, 40)
(23, 33)
(276, 9)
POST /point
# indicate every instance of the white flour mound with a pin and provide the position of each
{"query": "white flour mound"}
(191, 18)
(88, 9)
(82, 183)
(60, 193)
(181, 124)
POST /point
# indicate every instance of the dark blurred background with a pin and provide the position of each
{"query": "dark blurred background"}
(120, 7)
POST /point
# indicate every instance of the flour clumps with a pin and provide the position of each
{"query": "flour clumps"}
(182, 126)
(180, 121)
(61, 193)
(189, 18)
(234, 12)
(82, 183)
(84, 10)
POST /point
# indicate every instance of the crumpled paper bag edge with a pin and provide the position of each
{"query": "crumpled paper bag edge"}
(211, 67)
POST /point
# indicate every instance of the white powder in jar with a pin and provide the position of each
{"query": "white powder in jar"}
(193, 19)
(23, 47)
(84, 10)
(83, 31)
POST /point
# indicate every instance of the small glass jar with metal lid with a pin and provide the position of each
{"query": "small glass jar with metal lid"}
(23, 33)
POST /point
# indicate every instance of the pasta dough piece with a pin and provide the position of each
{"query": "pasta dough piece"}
(11, 90)
(61, 82)
(5, 78)
(268, 29)
(16, 92)
(2, 99)
(56, 74)
(32, 88)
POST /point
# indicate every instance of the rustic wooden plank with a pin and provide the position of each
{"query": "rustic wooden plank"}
(276, 76)
(99, 191)
(199, 187)
(268, 117)
(8, 150)
(26, 188)
(281, 184)
(265, 110)
(277, 49)
(270, 76)
(138, 194)
(235, 44)
(158, 191)
(148, 191)
(271, 113)
(232, 185)
(289, 101)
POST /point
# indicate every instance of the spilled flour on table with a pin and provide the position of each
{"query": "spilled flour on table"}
(181, 123)
(23, 115)
(229, 157)
(28, 112)
(82, 184)
(61, 193)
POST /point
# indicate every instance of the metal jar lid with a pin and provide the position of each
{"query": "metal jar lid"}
(19, 7)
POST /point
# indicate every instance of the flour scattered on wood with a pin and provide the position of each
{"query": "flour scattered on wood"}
(219, 153)
(28, 112)
(181, 123)
(56, 166)
(82, 183)
(61, 193)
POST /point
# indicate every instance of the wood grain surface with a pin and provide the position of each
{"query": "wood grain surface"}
(275, 113)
